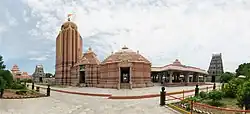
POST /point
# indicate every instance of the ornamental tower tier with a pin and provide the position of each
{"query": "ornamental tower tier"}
(68, 50)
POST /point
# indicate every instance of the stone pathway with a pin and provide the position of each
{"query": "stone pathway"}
(127, 92)
(64, 103)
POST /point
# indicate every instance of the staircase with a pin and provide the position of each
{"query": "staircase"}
(124, 86)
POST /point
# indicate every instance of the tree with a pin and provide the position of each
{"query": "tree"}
(48, 75)
(2, 66)
(243, 69)
(243, 95)
(7, 76)
(2, 83)
(226, 77)
(230, 89)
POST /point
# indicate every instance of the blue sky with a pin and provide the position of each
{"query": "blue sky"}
(163, 30)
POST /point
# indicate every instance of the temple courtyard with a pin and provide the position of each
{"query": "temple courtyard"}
(66, 103)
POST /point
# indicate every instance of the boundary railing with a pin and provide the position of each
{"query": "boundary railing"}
(196, 107)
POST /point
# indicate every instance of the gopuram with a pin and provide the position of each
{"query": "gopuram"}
(121, 70)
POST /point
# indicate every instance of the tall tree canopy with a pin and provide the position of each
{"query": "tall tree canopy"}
(243, 94)
(226, 77)
(243, 69)
(5, 75)
(2, 66)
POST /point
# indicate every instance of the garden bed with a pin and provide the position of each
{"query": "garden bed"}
(203, 107)
(21, 94)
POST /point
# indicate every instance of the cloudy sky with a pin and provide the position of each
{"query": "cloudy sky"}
(163, 30)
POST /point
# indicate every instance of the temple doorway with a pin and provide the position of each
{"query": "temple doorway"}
(213, 79)
(40, 79)
(82, 76)
(125, 74)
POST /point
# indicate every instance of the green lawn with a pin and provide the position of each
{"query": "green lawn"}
(230, 103)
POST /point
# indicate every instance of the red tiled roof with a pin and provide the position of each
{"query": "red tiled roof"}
(24, 75)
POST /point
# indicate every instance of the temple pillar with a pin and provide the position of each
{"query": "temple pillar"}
(186, 76)
(195, 77)
(204, 78)
(165, 75)
(178, 77)
(170, 76)
(198, 78)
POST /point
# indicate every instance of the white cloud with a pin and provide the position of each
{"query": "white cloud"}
(189, 30)
(40, 58)
(2, 30)
(25, 17)
(11, 20)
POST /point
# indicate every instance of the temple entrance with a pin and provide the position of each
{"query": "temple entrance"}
(40, 79)
(213, 79)
(82, 76)
(125, 74)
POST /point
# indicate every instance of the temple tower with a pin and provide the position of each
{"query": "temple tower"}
(39, 74)
(215, 68)
(68, 50)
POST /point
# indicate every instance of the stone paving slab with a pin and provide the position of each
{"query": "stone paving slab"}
(128, 92)
(62, 103)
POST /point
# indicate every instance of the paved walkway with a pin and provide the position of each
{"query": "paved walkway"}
(64, 103)
(127, 92)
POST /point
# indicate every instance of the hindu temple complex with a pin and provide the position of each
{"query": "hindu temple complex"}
(122, 69)
(17, 74)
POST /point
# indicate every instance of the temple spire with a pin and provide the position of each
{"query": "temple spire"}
(69, 15)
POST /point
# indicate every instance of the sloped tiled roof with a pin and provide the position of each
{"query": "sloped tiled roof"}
(88, 58)
(176, 65)
(125, 54)
(24, 75)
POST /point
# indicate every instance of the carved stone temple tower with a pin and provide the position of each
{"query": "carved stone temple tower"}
(215, 68)
(68, 50)
(39, 74)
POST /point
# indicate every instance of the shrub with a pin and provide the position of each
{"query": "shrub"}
(230, 89)
(18, 86)
(243, 95)
(21, 92)
(215, 95)
(203, 95)
(195, 99)
(215, 103)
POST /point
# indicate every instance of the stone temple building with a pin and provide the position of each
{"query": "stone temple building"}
(122, 69)
(177, 74)
(39, 74)
(215, 68)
